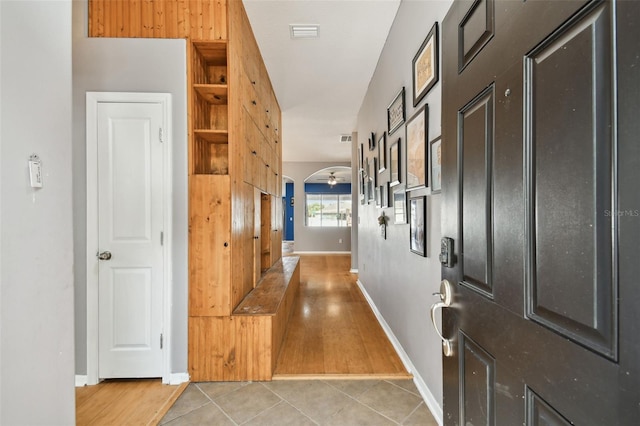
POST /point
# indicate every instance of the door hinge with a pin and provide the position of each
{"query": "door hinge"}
(160, 340)
(160, 135)
(161, 238)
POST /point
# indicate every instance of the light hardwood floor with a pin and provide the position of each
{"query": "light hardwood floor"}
(333, 331)
(125, 402)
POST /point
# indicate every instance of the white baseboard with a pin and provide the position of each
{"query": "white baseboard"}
(428, 397)
(321, 252)
(81, 380)
(353, 271)
(178, 378)
(174, 379)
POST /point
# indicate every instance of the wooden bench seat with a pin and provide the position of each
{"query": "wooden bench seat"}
(245, 345)
(271, 290)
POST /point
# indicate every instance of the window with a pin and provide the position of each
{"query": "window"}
(329, 210)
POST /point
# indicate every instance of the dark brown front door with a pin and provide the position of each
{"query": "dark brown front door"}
(541, 166)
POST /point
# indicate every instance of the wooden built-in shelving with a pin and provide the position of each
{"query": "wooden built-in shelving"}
(234, 167)
(212, 135)
(215, 94)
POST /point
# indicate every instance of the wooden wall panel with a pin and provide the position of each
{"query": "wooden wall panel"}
(197, 19)
(209, 258)
(230, 348)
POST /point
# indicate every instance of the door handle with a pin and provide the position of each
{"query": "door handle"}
(446, 296)
(105, 255)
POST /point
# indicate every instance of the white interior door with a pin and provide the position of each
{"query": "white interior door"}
(130, 234)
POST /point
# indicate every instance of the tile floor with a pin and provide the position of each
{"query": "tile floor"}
(301, 402)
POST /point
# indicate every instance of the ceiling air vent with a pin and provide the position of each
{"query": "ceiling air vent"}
(304, 31)
(345, 138)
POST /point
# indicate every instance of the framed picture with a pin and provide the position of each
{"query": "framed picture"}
(399, 205)
(361, 157)
(395, 113)
(436, 165)
(374, 175)
(417, 225)
(382, 152)
(378, 196)
(384, 196)
(425, 66)
(366, 180)
(417, 149)
(372, 142)
(394, 163)
(389, 190)
(370, 193)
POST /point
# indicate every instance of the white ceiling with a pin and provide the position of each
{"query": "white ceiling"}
(320, 83)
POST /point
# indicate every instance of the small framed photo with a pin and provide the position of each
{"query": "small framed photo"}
(378, 196)
(436, 165)
(382, 152)
(372, 142)
(384, 196)
(417, 149)
(395, 113)
(417, 225)
(399, 205)
(374, 175)
(361, 157)
(425, 66)
(389, 190)
(394, 163)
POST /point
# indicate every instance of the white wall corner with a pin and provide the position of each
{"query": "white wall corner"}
(178, 378)
(81, 380)
(424, 390)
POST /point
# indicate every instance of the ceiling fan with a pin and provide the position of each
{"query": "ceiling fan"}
(332, 179)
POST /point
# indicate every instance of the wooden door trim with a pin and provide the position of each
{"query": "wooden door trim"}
(92, 100)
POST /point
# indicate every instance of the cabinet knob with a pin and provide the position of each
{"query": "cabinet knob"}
(226, 244)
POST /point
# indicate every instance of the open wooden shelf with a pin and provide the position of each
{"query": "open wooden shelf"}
(215, 94)
(213, 52)
(213, 135)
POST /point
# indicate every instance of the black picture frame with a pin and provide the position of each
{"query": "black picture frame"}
(382, 152)
(399, 205)
(425, 65)
(374, 175)
(395, 163)
(417, 129)
(418, 225)
(372, 142)
(396, 113)
(435, 160)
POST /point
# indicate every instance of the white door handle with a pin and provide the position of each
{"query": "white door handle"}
(446, 296)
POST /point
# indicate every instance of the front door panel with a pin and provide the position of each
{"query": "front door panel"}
(540, 171)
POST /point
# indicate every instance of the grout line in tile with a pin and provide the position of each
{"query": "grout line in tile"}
(190, 411)
(362, 403)
(411, 413)
(291, 404)
(263, 411)
(216, 405)
(406, 390)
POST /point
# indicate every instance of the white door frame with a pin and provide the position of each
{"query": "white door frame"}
(93, 99)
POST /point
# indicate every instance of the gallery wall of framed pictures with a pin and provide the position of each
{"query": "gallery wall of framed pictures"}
(401, 169)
